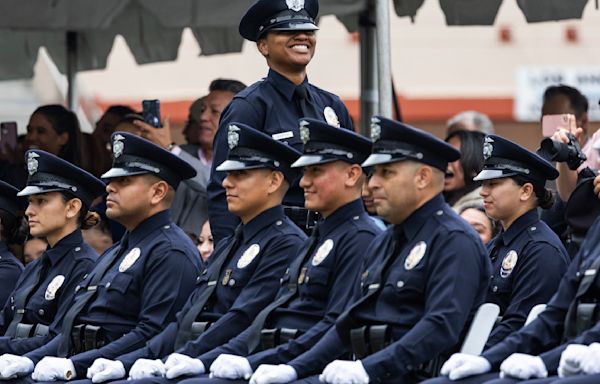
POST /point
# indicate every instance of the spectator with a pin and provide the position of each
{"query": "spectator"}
(206, 244)
(484, 225)
(107, 123)
(367, 198)
(99, 237)
(33, 249)
(191, 131)
(470, 121)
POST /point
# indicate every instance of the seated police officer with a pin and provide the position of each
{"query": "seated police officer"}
(317, 286)
(423, 279)
(59, 195)
(244, 270)
(139, 284)
(11, 211)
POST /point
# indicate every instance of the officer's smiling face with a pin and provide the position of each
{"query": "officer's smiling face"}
(503, 199)
(248, 192)
(394, 191)
(323, 185)
(288, 50)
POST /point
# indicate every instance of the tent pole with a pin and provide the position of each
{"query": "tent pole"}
(382, 13)
(368, 68)
(71, 68)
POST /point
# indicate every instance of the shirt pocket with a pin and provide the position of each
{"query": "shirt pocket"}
(317, 284)
(120, 283)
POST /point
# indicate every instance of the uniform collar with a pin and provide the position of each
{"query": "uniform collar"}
(160, 219)
(414, 222)
(525, 220)
(263, 220)
(283, 85)
(63, 246)
(340, 216)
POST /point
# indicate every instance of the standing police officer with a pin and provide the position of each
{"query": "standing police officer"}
(284, 32)
(139, 284)
(11, 208)
(424, 278)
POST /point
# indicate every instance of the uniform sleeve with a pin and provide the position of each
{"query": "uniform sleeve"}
(9, 275)
(222, 222)
(313, 361)
(345, 270)
(530, 287)
(449, 302)
(345, 119)
(7, 311)
(257, 294)
(169, 278)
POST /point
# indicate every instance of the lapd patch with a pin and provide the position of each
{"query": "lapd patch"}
(304, 132)
(248, 256)
(415, 255)
(131, 258)
(32, 163)
(54, 286)
(331, 117)
(295, 5)
(118, 145)
(375, 129)
(508, 264)
(488, 148)
(322, 252)
(233, 137)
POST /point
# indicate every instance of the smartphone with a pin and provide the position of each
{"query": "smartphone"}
(551, 123)
(151, 112)
(8, 138)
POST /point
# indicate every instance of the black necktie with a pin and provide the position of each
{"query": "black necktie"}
(22, 297)
(293, 274)
(184, 333)
(80, 301)
(305, 105)
(590, 275)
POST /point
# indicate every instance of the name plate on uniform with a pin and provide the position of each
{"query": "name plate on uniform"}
(283, 135)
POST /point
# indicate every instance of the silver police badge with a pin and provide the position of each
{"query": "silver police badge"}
(508, 263)
(131, 258)
(415, 256)
(375, 129)
(248, 256)
(118, 146)
(32, 163)
(331, 117)
(54, 286)
(304, 131)
(488, 148)
(322, 252)
(295, 5)
(233, 137)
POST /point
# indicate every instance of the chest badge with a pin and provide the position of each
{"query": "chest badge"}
(322, 252)
(130, 259)
(508, 264)
(54, 286)
(416, 254)
(331, 117)
(248, 256)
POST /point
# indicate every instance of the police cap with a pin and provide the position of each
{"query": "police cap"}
(9, 201)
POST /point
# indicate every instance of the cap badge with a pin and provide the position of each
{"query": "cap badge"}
(295, 5)
(118, 146)
(508, 264)
(32, 163)
(233, 137)
(331, 117)
(322, 252)
(415, 256)
(375, 129)
(304, 131)
(488, 148)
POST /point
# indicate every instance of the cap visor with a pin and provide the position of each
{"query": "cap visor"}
(489, 174)
(121, 172)
(294, 26)
(380, 158)
(36, 190)
(235, 165)
(305, 160)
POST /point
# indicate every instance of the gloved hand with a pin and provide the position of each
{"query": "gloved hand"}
(104, 370)
(54, 368)
(273, 374)
(523, 366)
(570, 360)
(12, 366)
(461, 365)
(231, 367)
(344, 372)
(179, 365)
(590, 362)
(143, 368)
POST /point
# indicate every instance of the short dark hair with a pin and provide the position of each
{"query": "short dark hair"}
(226, 85)
(545, 197)
(471, 153)
(578, 101)
(119, 110)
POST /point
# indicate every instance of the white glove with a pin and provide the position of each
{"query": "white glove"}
(273, 374)
(231, 367)
(523, 366)
(179, 365)
(461, 365)
(143, 368)
(344, 372)
(12, 366)
(104, 370)
(590, 362)
(53, 369)
(570, 360)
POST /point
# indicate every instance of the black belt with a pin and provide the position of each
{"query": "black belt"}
(369, 339)
(587, 314)
(24, 331)
(198, 328)
(270, 338)
(302, 217)
(86, 337)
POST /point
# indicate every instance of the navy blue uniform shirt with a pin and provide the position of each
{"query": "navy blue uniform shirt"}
(427, 295)
(70, 259)
(247, 283)
(139, 294)
(10, 270)
(267, 106)
(322, 294)
(528, 261)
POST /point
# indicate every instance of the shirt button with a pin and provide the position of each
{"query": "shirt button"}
(167, 227)
(355, 217)
(77, 249)
(439, 213)
(77, 288)
(231, 282)
(279, 222)
(400, 284)
(84, 276)
(491, 277)
(41, 312)
(197, 279)
(495, 288)
(533, 228)
(108, 285)
(307, 278)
